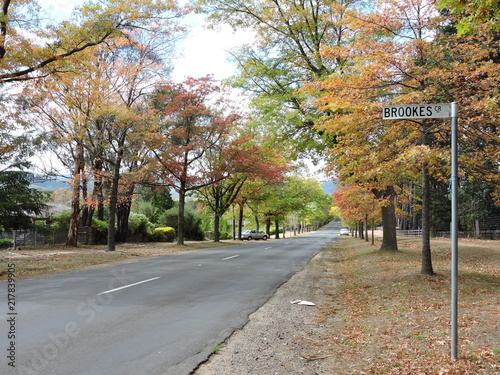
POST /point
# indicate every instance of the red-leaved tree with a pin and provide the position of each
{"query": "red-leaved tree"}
(191, 124)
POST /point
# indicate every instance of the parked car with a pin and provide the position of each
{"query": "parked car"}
(253, 234)
(344, 232)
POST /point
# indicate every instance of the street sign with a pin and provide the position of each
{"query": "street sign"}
(445, 110)
(409, 111)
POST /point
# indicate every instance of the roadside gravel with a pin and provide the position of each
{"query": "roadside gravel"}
(280, 337)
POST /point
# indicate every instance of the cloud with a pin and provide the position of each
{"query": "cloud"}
(206, 51)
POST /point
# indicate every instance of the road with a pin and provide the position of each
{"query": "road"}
(156, 316)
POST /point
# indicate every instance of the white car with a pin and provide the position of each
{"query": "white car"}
(344, 232)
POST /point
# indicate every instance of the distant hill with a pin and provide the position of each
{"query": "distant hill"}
(329, 187)
(51, 185)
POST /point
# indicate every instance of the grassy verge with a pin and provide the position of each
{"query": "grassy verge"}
(35, 262)
(383, 317)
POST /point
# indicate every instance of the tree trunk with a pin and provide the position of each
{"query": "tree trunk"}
(277, 229)
(181, 227)
(268, 225)
(113, 201)
(426, 232)
(366, 227)
(240, 220)
(72, 239)
(86, 220)
(216, 227)
(234, 225)
(123, 212)
(98, 195)
(217, 212)
(389, 240)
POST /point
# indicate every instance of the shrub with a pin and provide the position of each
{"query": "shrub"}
(61, 220)
(5, 243)
(42, 228)
(163, 234)
(101, 231)
(226, 235)
(139, 225)
(193, 230)
(157, 236)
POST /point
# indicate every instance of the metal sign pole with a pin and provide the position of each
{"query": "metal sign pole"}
(454, 229)
(440, 110)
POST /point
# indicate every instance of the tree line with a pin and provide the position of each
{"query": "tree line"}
(324, 69)
(111, 116)
(317, 76)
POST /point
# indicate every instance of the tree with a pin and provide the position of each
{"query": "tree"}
(292, 196)
(243, 161)
(190, 125)
(318, 204)
(61, 107)
(424, 70)
(32, 48)
(286, 53)
(474, 15)
(18, 201)
(94, 112)
(355, 204)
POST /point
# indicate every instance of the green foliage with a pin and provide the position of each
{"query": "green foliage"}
(157, 236)
(61, 220)
(153, 203)
(139, 224)
(474, 14)
(18, 201)
(193, 223)
(5, 243)
(476, 203)
(42, 228)
(162, 200)
(101, 230)
(163, 234)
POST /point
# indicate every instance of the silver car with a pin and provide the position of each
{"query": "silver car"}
(253, 234)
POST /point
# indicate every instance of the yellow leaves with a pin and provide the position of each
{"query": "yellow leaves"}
(30, 49)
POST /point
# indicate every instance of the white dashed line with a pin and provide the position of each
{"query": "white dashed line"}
(128, 286)
(234, 256)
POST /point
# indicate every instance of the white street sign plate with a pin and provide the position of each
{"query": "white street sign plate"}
(400, 112)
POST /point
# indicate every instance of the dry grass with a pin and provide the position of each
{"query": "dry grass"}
(34, 262)
(383, 317)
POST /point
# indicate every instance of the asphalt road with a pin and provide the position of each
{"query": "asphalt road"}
(155, 316)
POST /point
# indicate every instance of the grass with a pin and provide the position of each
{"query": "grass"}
(217, 348)
(46, 261)
(383, 317)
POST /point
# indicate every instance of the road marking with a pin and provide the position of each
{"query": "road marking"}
(234, 256)
(128, 286)
(266, 248)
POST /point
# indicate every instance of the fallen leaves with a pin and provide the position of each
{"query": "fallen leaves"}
(388, 319)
